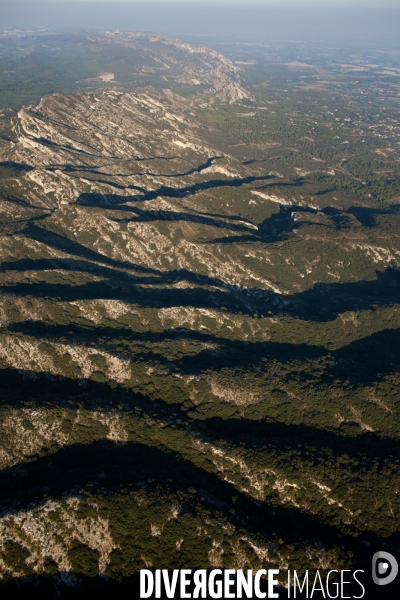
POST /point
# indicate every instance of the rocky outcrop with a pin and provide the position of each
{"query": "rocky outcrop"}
(187, 63)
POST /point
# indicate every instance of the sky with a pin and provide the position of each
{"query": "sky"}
(246, 19)
(260, 3)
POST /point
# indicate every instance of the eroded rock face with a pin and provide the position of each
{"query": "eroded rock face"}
(190, 64)
(122, 163)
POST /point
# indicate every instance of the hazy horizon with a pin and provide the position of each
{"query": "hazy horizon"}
(256, 21)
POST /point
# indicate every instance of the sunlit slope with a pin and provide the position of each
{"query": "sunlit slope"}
(36, 64)
(194, 370)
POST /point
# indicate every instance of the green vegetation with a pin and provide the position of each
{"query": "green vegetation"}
(199, 348)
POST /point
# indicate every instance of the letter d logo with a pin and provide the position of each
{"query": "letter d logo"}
(384, 568)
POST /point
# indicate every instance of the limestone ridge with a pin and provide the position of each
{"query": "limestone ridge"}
(127, 153)
(194, 64)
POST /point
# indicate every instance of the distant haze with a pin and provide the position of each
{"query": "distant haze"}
(260, 21)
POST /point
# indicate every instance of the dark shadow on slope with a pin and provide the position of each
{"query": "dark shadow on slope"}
(145, 297)
(117, 186)
(367, 216)
(163, 215)
(359, 363)
(146, 158)
(18, 201)
(43, 117)
(209, 162)
(67, 147)
(370, 358)
(9, 168)
(227, 217)
(234, 354)
(275, 228)
(340, 219)
(75, 470)
(299, 182)
(236, 239)
(279, 226)
(68, 168)
(325, 302)
(65, 264)
(121, 281)
(323, 192)
(302, 444)
(321, 303)
(60, 242)
(30, 390)
(117, 202)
